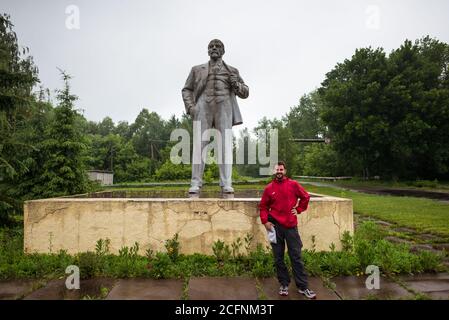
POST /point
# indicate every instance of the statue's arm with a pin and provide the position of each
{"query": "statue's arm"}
(187, 92)
(240, 88)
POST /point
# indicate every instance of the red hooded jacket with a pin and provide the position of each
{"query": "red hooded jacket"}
(279, 198)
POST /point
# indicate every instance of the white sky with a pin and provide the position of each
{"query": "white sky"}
(128, 55)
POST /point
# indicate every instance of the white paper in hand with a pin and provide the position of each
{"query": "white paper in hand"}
(272, 235)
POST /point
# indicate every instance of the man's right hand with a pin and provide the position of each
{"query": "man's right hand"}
(268, 225)
(191, 110)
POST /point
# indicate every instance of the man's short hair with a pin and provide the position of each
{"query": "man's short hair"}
(281, 163)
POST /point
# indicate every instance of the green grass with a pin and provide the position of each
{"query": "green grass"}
(423, 185)
(424, 215)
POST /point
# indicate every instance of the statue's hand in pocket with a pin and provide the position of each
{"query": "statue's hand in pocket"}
(192, 110)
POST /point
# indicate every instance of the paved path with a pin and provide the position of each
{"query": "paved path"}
(434, 286)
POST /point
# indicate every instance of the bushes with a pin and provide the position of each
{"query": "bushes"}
(261, 262)
(367, 247)
(372, 248)
(170, 171)
(172, 247)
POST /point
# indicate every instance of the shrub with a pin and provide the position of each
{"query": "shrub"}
(171, 171)
(236, 245)
(347, 242)
(261, 262)
(161, 266)
(172, 247)
(88, 263)
(221, 251)
(102, 247)
(369, 231)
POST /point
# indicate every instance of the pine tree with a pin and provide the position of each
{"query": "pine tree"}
(18, 75)
(63, 171)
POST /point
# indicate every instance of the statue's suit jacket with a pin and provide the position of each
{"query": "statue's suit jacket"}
(196, 83)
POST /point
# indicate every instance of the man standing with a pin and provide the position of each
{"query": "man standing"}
(209, 96)
(282, 199)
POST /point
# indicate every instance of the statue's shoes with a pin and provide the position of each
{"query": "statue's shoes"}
(194, 189)
(227, 189)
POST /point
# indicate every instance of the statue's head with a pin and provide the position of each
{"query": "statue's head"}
(215, 49)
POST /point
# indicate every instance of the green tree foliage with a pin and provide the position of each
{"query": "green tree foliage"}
(321, 160)
(244, 140)
(18, 75)
(149, 134)
(389, 115)
(286, 149)
(63, 170)
(303, 122)
(170, 171)
(113, 147)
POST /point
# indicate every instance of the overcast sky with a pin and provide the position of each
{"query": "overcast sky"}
(129, 55)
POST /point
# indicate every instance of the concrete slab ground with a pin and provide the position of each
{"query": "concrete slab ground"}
(147, 289)
(89, 289)
(210, 288)
(354, 288)
(53, 290)
(436, 286)
(15, 289)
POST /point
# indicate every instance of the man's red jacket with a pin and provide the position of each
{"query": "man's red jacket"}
(279, 198)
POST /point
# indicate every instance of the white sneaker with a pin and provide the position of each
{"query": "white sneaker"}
(283, 291)
(308, 293)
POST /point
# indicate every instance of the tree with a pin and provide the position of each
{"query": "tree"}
(353, 107)
(388, 115)
(106, 126)
(321, 160)
(303, 121)
(149, 134)
(63, 171)
(123, 130)
(18, 75)
(287, 150)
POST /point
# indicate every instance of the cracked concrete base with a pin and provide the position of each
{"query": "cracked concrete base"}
(76, 224)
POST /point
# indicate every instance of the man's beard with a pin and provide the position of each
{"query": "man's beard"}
(279, 176)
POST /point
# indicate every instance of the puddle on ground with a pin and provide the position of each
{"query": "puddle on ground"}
(250, 193)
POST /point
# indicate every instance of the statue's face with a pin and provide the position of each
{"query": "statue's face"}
(215, 50)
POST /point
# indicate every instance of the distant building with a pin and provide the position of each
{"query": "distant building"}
(106, 178)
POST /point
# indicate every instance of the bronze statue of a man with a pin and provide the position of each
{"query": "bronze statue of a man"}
(209, 96)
